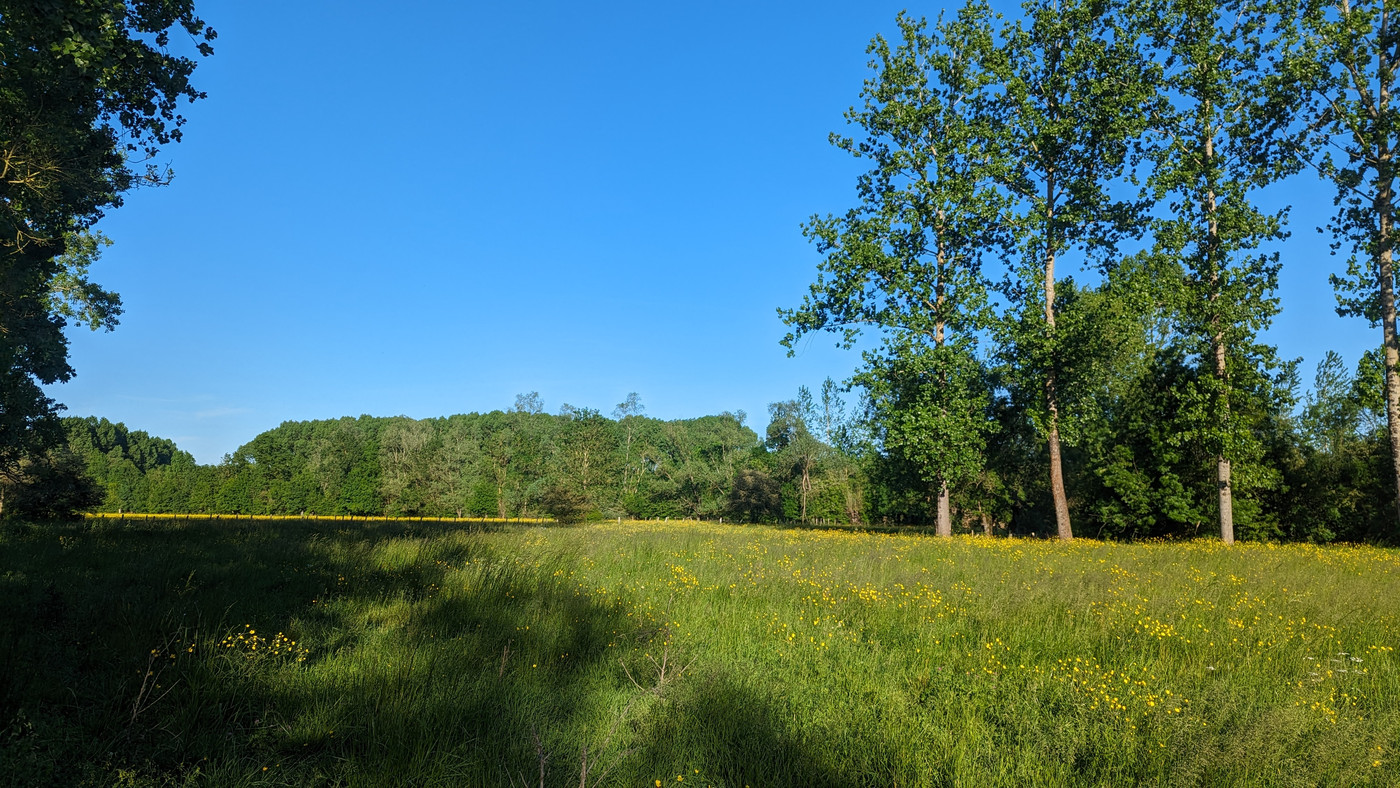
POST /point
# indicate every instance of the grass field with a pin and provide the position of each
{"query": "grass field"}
(188, 652)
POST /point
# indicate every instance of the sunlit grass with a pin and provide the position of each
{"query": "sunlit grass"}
(264, 654)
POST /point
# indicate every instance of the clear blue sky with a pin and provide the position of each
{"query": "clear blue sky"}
(429, 208)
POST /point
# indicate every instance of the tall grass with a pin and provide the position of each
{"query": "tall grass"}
(183, 652)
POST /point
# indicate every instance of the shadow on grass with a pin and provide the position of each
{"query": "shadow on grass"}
(719, 730)
(430, 659)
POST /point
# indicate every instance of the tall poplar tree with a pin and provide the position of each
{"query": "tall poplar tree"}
(1069, 105)
(1344, 54)
(1208, 158)
(906, 263)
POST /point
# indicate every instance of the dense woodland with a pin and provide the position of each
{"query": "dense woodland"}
(1055, 269)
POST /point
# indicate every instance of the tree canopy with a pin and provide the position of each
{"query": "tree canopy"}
(89, 93)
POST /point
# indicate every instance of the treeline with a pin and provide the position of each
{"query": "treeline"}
(521, 463)
(1320, 472)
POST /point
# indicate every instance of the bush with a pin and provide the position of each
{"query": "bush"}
(53, 487)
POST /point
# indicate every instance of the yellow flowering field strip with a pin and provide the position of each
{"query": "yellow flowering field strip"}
(331, 518)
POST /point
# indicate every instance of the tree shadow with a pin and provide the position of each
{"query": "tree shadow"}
(165, 649)
(438, 661)
(723, 731)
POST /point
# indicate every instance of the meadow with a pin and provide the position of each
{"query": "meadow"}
(188, 652)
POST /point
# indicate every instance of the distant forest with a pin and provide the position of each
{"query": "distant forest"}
(1321, 475)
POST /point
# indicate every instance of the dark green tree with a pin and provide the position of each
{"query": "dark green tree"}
(1331, 416)
(755, 497)
(1207, 161)
(907, 262)
(49, 486)
(585, 455)
(1342, 55)
(88, 91)
(1071, 91)
(796, 452)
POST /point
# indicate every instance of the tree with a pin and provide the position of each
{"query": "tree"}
(49, 486)
(796, 449)
(930, 409)
(585, 453)
(1331, 415)
(1208, 157)
(754, 497)
(87, 89)
(1068, 105)
(628, 412)
(72, 295)
(528, 403)
(906, 263)
(1343, 56)
(405, 448)
(1368, 390)
(844, 484)
(342, 460)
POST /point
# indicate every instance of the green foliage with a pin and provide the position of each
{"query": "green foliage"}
(51, 486)
(515, 464)
(72, 295)
(1331, 413)
(929, 407)
(1208, 156)
(1332, 54)
(132, 470)
(755, 497)
(86, 88)
(907, 262)
(1341, 59)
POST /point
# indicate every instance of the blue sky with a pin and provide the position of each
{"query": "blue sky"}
(428, 209)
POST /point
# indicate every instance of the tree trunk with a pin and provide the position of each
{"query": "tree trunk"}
(1222, 463)
(1052, 407)
(806, 485)
(945, 518)
(1384, 206)
(1217, 341)
(1057, 476)
(1227, 510)
(1052, 400)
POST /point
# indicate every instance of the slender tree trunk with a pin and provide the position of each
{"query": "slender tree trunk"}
(945, 518)
(1057, 476)
(1222, 463)
(806, 485)
(986, 523)
(1217, 346)
(1052, 400)
(1384, 205)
